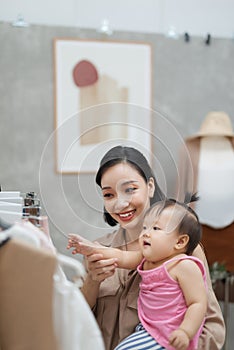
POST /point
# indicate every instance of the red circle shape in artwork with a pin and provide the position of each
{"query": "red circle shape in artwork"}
(84, 73)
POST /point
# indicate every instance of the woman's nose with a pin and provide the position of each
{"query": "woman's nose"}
(121, 203)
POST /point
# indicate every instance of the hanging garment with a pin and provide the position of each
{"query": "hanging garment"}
(215, 183)
(75, 325)
(69, 318)
(26, 295)
(25, 231)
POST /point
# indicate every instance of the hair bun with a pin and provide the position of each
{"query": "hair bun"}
(189, 197)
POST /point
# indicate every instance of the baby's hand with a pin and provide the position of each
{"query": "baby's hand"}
(179, 339)
(81, 245)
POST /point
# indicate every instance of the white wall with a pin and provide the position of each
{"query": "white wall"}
(198, 17)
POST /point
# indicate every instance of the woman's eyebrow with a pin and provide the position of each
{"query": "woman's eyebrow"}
(128, 182)
(122, 185)
(106, 188)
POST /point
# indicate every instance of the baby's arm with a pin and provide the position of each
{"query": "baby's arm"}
(124, 259)
(191, 282)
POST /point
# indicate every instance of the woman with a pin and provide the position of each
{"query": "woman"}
(129, 188)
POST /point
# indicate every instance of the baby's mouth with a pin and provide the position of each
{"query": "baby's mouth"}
(145, 243)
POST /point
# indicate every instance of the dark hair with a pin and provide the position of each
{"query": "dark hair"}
(130, 155)
(189, 223)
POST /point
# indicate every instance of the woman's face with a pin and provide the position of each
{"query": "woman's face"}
(126, 194)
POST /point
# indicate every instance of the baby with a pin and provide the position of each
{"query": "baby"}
(172, 299)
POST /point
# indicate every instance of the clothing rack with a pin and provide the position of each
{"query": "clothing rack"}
(15, 205)
(39, 307)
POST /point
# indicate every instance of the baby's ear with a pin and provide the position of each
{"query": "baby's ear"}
(182, 241)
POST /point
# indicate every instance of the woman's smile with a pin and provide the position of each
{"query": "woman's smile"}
(127, 216)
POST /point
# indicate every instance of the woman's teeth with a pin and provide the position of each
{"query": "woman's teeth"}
(126, 214)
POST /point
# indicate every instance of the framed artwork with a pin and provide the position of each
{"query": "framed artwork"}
(102, 98)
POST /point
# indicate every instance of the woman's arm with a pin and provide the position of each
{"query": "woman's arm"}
(213, 332)
(124, 259)
(98, 270)
(90, 290)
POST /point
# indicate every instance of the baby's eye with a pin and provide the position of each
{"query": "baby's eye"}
(144, 228)
(156, 228)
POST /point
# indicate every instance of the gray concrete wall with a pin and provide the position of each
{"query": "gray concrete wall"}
(189, 80)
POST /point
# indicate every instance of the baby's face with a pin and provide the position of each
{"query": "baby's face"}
(159, 236)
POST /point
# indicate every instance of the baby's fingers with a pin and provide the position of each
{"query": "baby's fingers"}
(73, 237)
(86, 249)
(71, 244)
(78, 238)
(75, 251)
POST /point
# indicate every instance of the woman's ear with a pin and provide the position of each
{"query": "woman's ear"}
(151, 186)
(182, 242)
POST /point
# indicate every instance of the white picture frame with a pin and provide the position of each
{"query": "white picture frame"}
(103, 96)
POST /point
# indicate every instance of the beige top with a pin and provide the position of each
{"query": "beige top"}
(116, 307)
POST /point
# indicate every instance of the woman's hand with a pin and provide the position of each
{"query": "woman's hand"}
(99, 269)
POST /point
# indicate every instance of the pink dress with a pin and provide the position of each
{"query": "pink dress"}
(161, 304)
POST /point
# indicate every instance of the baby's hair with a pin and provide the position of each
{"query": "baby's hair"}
(189, 223)
(189, 198)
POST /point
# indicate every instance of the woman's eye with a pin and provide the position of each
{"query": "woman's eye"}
(155, 228)
(130, 189)
(144, 228)
(107, 195)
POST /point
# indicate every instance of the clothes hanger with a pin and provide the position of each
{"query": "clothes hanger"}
(3, 224)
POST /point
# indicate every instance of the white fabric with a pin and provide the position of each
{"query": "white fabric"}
(9, 194)
(19, 232)
(10, 216)
(27, 232)
(44, 238)
(11, 197)
(13, 207)
(75, 325)
(216, 182)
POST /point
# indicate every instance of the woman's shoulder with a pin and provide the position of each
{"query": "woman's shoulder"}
(199, 253)
(112, 239)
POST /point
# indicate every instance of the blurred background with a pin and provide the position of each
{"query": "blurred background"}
(192, 65)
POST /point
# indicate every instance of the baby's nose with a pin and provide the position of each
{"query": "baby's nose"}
(146, 234)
